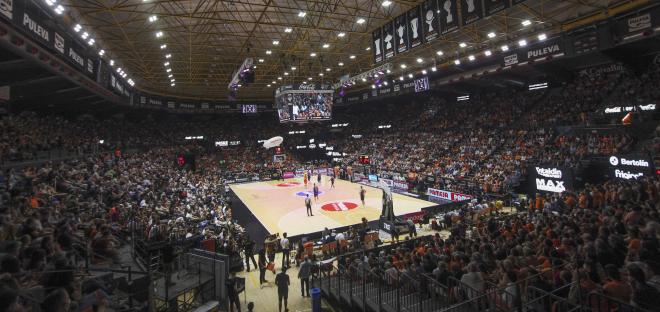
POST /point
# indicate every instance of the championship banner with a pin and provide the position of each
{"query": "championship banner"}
(415, 33)
(493, 6)
(377, 45)
(7, 9)
(471, 11)
(447, 195)
(401, 33)
(448, 16)
(430, 20)
(389, 42)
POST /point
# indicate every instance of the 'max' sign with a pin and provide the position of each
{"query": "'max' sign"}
(550, 185)
(35, 28)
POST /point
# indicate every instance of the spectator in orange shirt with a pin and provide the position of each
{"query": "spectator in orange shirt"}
(615, 287)
(582, 201)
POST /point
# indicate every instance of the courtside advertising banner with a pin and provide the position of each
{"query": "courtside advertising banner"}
(548, 178)
(447, 195)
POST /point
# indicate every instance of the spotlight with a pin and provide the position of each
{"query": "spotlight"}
(491, 35)
(522, 43)
(471, 57)
(462, 44)
(488, 53)
(302, 14)
(341, 34)
(439, 53)
(457, 62)
(505, 48)
(542, 37)
(526, 23)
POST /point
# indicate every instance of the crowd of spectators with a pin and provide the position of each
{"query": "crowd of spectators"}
(126, 179)
(603, 240)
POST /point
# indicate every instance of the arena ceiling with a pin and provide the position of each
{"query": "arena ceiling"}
(323, 39)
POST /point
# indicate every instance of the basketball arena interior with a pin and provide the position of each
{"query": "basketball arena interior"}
(330, 155)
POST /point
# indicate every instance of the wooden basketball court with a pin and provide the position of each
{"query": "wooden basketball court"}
(280, 205)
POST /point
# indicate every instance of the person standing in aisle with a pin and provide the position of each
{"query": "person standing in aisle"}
(303, 274)
(249, 252)
(282, 281)
(262, 267)
(332, 181)
(286, 250)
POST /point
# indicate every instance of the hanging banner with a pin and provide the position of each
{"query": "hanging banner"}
(471, 11)
(401, 33)
(415, 33)
(430, 20)
(493, 6)
(7, 9)
(32, 22)
(388, 40)
(448, 16)
(377, 45)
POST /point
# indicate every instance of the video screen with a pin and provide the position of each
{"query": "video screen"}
(304, 105)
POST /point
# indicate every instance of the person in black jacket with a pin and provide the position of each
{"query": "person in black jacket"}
(262, 267)
(168, 261)
(248, 247)
(232, 293)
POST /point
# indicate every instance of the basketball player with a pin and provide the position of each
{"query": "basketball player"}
(316, 192)
(318, 178)
(362, 193)
(305, 178)
(308, 204)
(332, 181)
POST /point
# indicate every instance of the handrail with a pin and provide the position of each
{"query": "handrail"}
(600, 302)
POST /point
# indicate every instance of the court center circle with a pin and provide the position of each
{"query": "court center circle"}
(339, 206)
